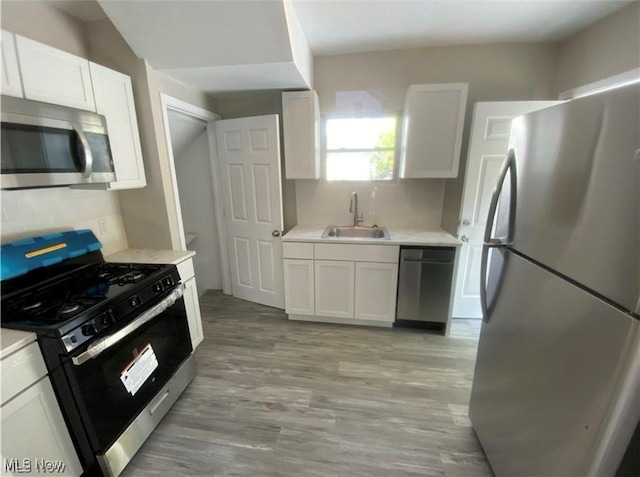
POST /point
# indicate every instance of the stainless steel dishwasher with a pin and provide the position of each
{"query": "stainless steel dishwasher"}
(424, 286)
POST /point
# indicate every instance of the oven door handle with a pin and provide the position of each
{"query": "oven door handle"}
(95, 349)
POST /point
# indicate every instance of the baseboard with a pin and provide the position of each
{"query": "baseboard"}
(341, 321)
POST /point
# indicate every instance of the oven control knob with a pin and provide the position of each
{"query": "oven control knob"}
(157, 287)
(168, 281)
(89, 330)
(135, 301)
(108, 319)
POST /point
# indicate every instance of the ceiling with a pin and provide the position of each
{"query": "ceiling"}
(350, 26)
(222, 46)
(347, 26)
(217, 46)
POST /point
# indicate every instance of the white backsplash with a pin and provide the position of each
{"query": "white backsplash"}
(402, 203)
(30, 212)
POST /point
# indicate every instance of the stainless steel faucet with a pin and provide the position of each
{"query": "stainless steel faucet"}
(353, 208)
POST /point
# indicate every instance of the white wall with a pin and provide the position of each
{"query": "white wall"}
(378, 81)
(26, 213)
(408, 203)
(302, 56)
(608, 47)
(195, 189)
(148, 213)
(41, 21)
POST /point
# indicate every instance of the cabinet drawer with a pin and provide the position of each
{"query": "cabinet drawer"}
(185, 269)
(297, 250)
(357, 253)
(21, 369)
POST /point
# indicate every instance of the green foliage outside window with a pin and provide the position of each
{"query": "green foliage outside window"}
(360, 148)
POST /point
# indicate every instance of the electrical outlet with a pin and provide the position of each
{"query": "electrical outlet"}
(103, 225)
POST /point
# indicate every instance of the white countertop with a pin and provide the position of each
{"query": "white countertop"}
(147, 255)
(398, 236)
(13, 340)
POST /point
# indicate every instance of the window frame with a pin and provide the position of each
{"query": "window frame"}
(364, 115)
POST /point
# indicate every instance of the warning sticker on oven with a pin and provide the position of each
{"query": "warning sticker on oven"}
(139, 370)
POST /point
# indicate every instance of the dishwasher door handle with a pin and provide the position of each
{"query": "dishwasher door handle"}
(433, 262)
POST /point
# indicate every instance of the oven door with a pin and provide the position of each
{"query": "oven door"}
(114, 378)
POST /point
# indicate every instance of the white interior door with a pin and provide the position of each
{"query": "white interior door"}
(490, 130)
(249, 154)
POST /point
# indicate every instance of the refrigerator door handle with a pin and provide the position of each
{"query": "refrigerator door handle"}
(483, 283)
(508, 165)
(489, 241)
(492, 278)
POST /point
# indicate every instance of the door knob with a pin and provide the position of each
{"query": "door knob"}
(466, 222)
(276, 233)
(464, 238)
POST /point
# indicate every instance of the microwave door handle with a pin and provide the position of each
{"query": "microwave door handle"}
(107, 342)
(87, 157)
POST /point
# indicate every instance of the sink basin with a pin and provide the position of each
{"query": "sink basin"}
(356, 233)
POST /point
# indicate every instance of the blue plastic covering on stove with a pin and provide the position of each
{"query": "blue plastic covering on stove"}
(20, 257)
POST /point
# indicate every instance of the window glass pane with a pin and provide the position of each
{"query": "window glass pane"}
(360, 166)
(360, 133)
(381, 165)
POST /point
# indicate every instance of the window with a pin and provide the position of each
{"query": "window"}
(360, 148)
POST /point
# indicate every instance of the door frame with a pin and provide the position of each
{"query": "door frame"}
(176, 227)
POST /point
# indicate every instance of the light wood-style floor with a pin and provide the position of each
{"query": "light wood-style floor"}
(274, 397)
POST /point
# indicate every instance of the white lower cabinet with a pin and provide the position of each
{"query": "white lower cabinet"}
(341, 283)
(375, 291)
(334, 288)
(192, 304)
(35, 439)
(299, 293)
(191, 301)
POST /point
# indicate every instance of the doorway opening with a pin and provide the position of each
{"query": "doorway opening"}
(198, 205)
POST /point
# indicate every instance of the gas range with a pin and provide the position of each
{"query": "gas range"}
(114, 337)
(87, 301)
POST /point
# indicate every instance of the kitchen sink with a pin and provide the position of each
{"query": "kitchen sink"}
(355, 233)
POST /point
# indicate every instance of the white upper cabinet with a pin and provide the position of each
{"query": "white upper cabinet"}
(432, 130)
(114, 100)
(54, 76)
(11, 85)
(301, 125)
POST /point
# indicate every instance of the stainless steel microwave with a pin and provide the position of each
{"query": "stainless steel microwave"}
(44, 145)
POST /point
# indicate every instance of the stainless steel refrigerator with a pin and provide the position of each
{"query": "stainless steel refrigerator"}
(556, 389)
